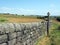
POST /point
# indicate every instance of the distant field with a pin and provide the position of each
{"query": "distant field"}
(18, 19)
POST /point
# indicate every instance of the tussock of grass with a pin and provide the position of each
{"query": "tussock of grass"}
(3, 19)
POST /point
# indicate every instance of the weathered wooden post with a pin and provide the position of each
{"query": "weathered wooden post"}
(7, 38)
(48, 24)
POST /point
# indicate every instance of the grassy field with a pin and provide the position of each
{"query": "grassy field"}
(18, 19)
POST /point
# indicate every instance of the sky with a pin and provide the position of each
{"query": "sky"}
(30, 7)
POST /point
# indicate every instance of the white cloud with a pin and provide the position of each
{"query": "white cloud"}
(17, 10)
(52, 9)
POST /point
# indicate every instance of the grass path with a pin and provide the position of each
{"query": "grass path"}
(44, 40)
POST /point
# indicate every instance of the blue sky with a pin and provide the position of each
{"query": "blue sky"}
(29, 7)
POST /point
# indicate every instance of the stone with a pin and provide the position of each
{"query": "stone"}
(12, 42)
(3, 38)
(19, 34)
(12, 36)
(8, 27)
(17, 27)
(3, 44)
(2, 31)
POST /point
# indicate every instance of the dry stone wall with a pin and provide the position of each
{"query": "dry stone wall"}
(21, 33)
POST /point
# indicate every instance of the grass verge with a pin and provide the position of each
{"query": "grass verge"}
(54, 38)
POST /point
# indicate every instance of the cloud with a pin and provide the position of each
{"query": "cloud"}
(52, 9)
(17, 10)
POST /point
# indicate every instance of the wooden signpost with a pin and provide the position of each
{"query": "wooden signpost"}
(48, 23)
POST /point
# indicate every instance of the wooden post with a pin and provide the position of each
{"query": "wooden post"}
(7, 38)
(48, 24)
